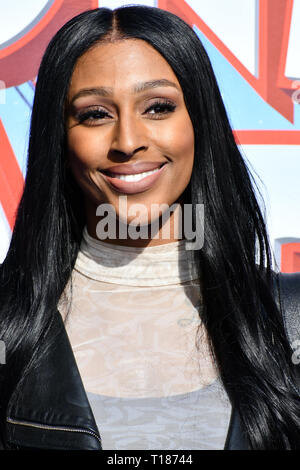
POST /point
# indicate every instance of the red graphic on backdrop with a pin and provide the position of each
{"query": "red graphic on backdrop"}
(11, 178)
(271, 84)
(287, 254)
(19, 62)
(290, 258)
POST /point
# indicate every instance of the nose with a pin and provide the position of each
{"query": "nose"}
(129, 136)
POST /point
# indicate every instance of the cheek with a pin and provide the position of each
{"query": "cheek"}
(84, 160)
(186, 152)
(186, 145)
(178, 141)
(83, 150)
(181, 148)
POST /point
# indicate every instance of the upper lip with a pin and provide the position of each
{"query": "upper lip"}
(133, 168)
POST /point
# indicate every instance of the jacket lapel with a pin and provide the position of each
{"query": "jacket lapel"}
(236, 439)
(53, 411)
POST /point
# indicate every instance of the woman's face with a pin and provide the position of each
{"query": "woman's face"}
(126, 116)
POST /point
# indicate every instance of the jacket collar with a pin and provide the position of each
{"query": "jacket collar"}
(53, 411)
(236, 439)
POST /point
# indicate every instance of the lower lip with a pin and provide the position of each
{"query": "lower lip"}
(133, 187)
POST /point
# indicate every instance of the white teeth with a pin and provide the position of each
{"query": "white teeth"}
(136, 177)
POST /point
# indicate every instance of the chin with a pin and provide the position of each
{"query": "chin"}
(134, 221)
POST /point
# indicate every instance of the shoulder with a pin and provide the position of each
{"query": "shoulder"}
(288, 300)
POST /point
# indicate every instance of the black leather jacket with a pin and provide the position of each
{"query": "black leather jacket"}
(54, 412)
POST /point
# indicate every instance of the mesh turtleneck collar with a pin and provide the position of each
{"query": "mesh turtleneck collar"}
(169, 263)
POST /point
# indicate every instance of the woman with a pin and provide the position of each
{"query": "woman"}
(120, 92)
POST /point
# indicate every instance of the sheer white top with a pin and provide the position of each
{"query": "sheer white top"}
(133, 325)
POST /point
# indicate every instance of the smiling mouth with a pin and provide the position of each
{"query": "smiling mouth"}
(133, 183)
(133, 177)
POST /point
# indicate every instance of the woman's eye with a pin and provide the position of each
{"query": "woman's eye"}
(161, 107)
(91, 115)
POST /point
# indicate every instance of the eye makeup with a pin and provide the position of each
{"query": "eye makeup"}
(156, 110)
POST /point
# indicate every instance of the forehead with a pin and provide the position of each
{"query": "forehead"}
(120, 64)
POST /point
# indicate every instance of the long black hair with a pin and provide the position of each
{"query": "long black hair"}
(244, 326)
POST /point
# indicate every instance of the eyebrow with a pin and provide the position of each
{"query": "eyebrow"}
(138, 88)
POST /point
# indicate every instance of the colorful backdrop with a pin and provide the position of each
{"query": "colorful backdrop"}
(254, 49)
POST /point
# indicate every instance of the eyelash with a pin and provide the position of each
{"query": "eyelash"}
(89, 115)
